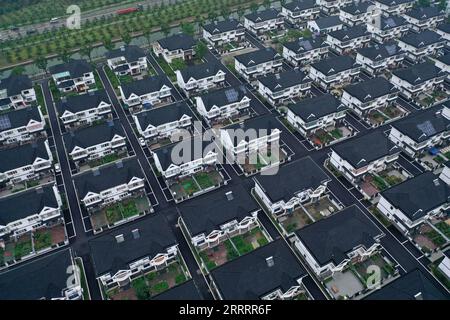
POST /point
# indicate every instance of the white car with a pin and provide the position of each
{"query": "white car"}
(142, 142)
(57, 168)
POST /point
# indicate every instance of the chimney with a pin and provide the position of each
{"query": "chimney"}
(136, 234)
(229, 195)
(270, 262)
(122, 48)
(120, 238)
(418, 296)
(436, 182)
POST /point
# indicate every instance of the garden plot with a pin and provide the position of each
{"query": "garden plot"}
(382, 115)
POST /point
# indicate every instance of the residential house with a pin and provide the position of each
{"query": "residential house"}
(161, 123)
(312, 114)
(43, 279)
(186, 291)
(379, 58)
(443, 63)
(331, 6)
(25, 162)
(330, 245)
(387, 28)
(177, 46)
(323, 25)
(226, 103)
(444, 31)
(418, 133)
(298, 12)
(295, 183)
(302, 52)
(84, 109)
(357, 13)
(334, 71)
(219, 33)
(95, 142)
(414, 201)
(417, 46)
(201, 77)
(133, 250)
(267, 273)
(368, 95)
(146, 92)
(346, 40)
(363, 155)
(22, 212)
(418, 78)
(22, 125)
(268, 20)
(422, 18)
(283, 87)
(74, 75)
(256, 63)
(394, 6)
(223, 214)
(16, 92)
(110, 183)
(185, 158)
(444, 265)
(127, 60)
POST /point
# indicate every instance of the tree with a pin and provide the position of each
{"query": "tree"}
(240, 13)
(267, 4)
(126, 37)
(423, 3)
(165, 29)
(225, 12)
(17, 71)
(108, 44)
(64, 55)
(148, 35)
(201, 49)
(41, 63)
(443, 4)
(254, 7)
(86, 50)
(188, 28)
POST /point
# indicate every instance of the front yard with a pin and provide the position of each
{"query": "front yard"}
(329, 135)
(379, 116)
(374, 183)
(428, 99)
(427, 238)
(263, 159)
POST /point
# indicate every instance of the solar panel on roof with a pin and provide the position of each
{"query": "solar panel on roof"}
(427, 128)
(231, 95)
(5, 123)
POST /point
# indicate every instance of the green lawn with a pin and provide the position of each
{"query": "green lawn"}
(42, 240)
(22, 249)
(242, 246)
(112, 77)
(40, 98)
(113, 215)
(336, 133)
(444, 228)
(54, 90)
(379, 183)
(204, 180)
(231, 252)
(83, 280)
(189, 186)
(98, 82)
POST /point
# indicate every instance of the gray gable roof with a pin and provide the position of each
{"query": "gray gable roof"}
(445, 59)
(292, 178)
(305, 44)
(22, 155)
(227, 25)
(108, 256)
(357, 8)
(186, 291)
(391, 22)
(361, 151)
(300, 5)
(335, 65)
(82, 102)
(254, 58)
(284, 80)
(392, 3)
(261, 124)
(315, 108)
(419, 73)
(418, 196)
(201, 71)
(328, 22)
(424, 13)
(18, 118)
(349, 33)
(14, 85)
(163, 115)
(425, 125)
(224, 96)
(23, 204)
(208, 213)
(422, 39)
(250, 277)
(408, 286)
(444, 27)
(380, 52)
(93, 135)
(108, 176)
(76, 68)
(131, 53)
(331, 239)
(177, 41)
(264, 15)
(144, 86)
(42, 278)
(371, 89)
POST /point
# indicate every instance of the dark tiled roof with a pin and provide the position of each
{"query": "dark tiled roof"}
(14, 85)
(419, 73)
(76, 68)
(249, 277)
(177, 41)
(257, 57)
(424, 13)
(333, 238)
(218, 27)
(166, 114)
(109, 256)
(208, 213)
(201, 71)
(185, 291)
(19, 118)
(371, 89)
(335, 65)
(264, 15)
(107, 176)
(283, 80)
(22, 155)
(82, 102)
(418, 196)
(224, 96)
(315, 108)
(24, 204)
(380, 52)
(357, 8)
(300, 5)
(305, 45)
(361, 151)
(93, 135)
(131, 53)
(408, 286)
(328, 22)
(444, 27)
(445, 59)
(145, 86)
(391, 22)
(422, 39)
(392, 3)
(42, 278)
(292, 178)
(349, 33)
